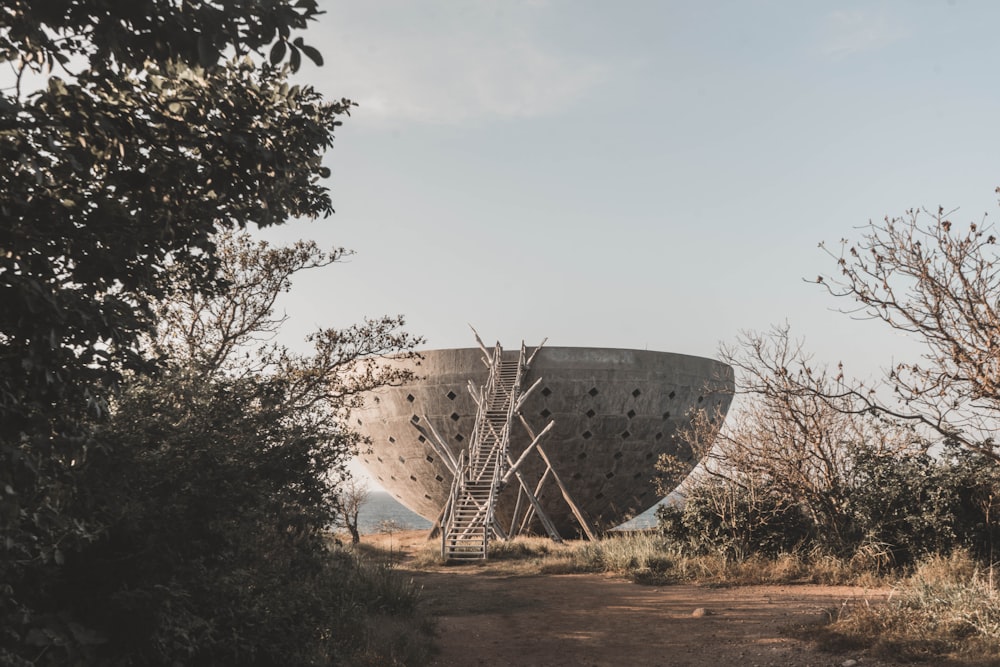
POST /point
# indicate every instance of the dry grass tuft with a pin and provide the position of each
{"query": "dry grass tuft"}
(948, 606)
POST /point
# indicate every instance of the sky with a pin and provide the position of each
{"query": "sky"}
(638, 174)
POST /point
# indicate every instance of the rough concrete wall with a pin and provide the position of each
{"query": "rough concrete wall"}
(615, 412)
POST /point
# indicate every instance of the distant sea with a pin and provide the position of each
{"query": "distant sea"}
(382, 508)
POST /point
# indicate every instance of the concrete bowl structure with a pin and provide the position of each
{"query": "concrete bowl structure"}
(615, 412)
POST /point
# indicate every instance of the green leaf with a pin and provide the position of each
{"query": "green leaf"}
(313, 54)
(278, 52)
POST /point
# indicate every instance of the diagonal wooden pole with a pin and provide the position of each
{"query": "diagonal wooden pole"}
(587, 529)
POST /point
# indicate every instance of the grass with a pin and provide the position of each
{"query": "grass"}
(392, 627)
(947, 608)
(647, 557)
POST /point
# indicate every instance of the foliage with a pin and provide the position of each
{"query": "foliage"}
(175, 518)
(899, 510)
(215, 482)
(736, 521)
(921, 506)
(39, 34)
(112, 174)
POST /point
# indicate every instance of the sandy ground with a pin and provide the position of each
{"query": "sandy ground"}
(490, 619)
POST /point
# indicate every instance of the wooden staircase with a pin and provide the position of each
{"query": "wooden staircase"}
(469, 520)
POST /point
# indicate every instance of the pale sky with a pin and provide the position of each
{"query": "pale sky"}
(652, 175)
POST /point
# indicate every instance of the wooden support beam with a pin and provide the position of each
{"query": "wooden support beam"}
(562, 487)
(442, 443)
(537, 507)
(477, 394)
(482, 346)
(498, 529)
(436, 528)
(529, 514)
(591, 534)
(524, 455)
(527, 364)
(525, 394)
(517, 509)
(438, 445)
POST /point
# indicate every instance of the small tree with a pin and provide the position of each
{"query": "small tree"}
(939, 283)
(788, 448)
(352, 497)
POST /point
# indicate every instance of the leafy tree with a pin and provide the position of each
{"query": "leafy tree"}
(215, 483)
(158, 132)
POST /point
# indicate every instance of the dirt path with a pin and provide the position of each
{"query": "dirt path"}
(489, 619)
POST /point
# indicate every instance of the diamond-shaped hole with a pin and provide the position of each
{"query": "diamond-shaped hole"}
(546, 392)
(430, 459)
(591, 413)
(451, 395)
(598, 496)
(587, 435)
(618, 455)
(455, 416)
(392, 440)
(359, 423)
(459, 437)
(636, 393)
(609, 474)
(545, 413)
(701, 398)
(413, 478)
(577, 475)
(428, 497)
(402, 460)
(581, 455)
(626, 435)
(666, 415)
(421, 438)
(414, 419)
(439, 478)
(593, 391)
(630, 413)
(410, 398)
(379, 459)
(649, 455)
(671, 394)
(658, 436)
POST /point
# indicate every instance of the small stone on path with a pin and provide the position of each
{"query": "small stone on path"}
(700, 611)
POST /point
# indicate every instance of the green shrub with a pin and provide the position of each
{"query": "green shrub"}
(723, 517)
(897, 511)
(214, 552)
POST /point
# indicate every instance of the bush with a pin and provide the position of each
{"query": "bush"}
(215, 504)
(722, 517)
(899, 510)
